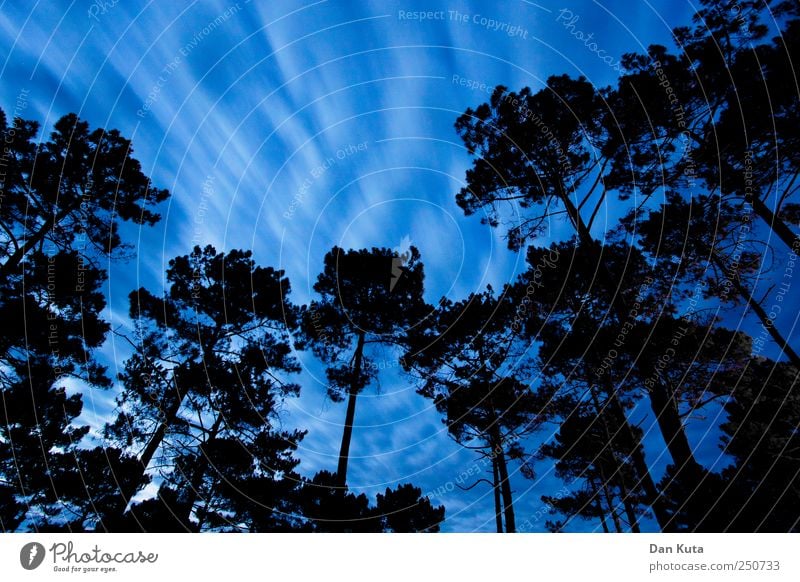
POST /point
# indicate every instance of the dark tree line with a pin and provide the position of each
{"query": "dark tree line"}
(197, 412)
(700, 146)
(597, 362)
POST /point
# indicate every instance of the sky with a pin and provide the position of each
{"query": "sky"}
(289, 127)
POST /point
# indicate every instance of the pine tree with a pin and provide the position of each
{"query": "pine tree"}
(472, 363)
(362, 301)
(203, 389)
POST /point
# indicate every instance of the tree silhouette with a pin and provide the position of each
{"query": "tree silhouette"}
(706, 242)
(51, 313)
(69, 192)
(538, 149)
(62, 200)
(361, 302)
(328, 508)
(206, 379)
(718, 113)
(609, 363)
(403, 510)
(472, 364)
(757, 492)
(592, 449)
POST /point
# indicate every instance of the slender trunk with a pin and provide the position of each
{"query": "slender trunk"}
(347, 433)
(630, 510)
(769, 325)
(776, 225)
(646, 482)
(661, 401)
(505, 484)
(599, 506)
(609, 501)
(609, 449)
(498, 517)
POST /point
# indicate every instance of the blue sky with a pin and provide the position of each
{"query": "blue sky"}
(289, 127)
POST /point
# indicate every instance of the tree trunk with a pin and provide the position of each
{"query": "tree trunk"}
(652, 495)
(769, 325)
(645, 485)
(505, 484)
(669, 420)
(776, 225)
(127, 491)
(599, 506)
(609, 501)
(498, 517)
(671, 426)
(152, 446)
(347, 433)
(630, 510)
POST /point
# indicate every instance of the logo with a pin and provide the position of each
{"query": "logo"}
(403, 254)
(31, 555)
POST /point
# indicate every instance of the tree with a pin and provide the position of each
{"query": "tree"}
(403, 510)
(542, 150)
(360, 303)
(603, 362)
(328, 508)
(205, 381)
(705, 244)
(594, 450)
(62, 201)
(70, 192)
(472, 365)
(719, 113)
(758, 491)
(52, 325)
